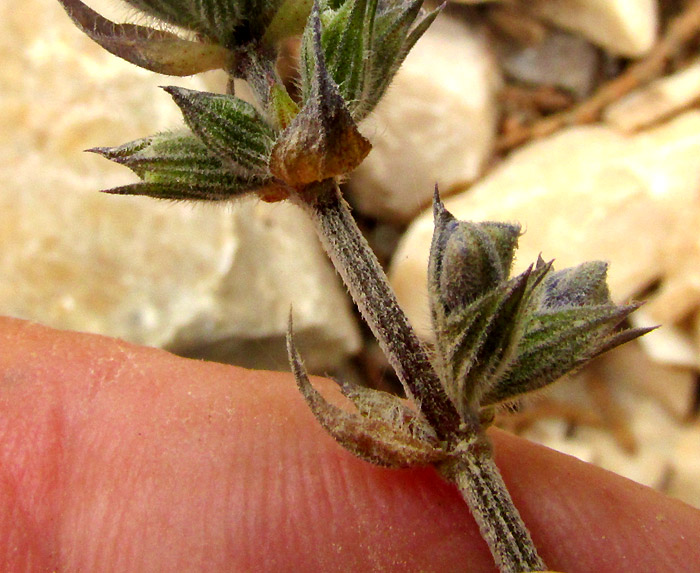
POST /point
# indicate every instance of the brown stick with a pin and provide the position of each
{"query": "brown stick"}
(681, 30)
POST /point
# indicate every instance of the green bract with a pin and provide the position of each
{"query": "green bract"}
(364, 42)
(229, 127)
(322, 140)
(179, 166)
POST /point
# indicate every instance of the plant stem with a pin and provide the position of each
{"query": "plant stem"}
(500, 524)
(473, 471)
(365, 279)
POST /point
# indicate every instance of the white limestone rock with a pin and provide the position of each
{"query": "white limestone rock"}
(656, 101)
(587, 193)
(664, 457)
(83, 261)
(71, 257)
(560, 59)
(436, 123)
(679, 294)
(632, 367)
(685, 479)
(279, 265)
(151, 272)
(623, 27)
(653, 461)
(668, 344)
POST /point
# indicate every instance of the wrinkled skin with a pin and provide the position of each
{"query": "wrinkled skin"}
(120, 458)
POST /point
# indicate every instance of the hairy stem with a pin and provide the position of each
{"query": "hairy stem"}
(365, 279)
(473, 471)
(500, 524)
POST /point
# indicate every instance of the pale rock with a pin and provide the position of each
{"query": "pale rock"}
(656, 101)
(554, 433)
(73, 258)
(668, 344)
(587, 193)
(623, 27)
(560, 59)
(571, 389)
(656, 434)
(649, 466)
(678, 296)
(436, 123)
(630, 366)
(685, 480)
(279, 266)
(152, 272)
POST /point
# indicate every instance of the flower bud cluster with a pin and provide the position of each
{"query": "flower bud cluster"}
(498, 337)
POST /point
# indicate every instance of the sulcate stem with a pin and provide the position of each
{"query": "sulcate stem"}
(476, 476)
(472, 469)
(365, 279)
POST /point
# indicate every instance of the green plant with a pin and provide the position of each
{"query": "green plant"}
(497, 336)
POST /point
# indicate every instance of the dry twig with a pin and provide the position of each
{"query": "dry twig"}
(681, 30)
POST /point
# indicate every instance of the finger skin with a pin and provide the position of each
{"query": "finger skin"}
(115, 457)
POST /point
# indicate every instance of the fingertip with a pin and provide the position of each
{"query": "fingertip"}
(112, 447)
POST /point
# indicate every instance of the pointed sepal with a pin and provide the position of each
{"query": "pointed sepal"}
(571, 320)
(474, 306)
(322, 140)
(231, 128)
(385, 432)
(468, 260)
(156, 50)
(179, 166)
(364, 43)
(398, 29)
